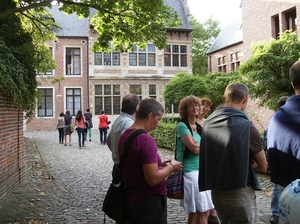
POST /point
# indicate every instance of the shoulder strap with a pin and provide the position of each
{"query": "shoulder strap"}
(117, 176)
(199, 130)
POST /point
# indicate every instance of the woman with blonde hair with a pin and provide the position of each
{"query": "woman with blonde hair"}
(188, 134)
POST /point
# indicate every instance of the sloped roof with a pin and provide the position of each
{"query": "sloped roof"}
(70, 25)
(229, 35)
(177, 5)
(73, 26)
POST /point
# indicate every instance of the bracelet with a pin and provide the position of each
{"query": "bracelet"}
(173, 166)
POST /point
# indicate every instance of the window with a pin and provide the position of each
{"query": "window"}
(142, 57)
(45, 104)
(275, 27)
(107, 98)
(168, 108)
(110, 58)
(73, 66)
(48, 71)
(152, 91)
(235, 61)
(73, 100)
(175, 55)
(290, 18)
(136, 89)
(222, 64)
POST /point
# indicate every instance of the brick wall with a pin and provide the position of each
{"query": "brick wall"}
(12, 166)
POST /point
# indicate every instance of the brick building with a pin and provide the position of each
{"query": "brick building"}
(259, 20)
(99, 80)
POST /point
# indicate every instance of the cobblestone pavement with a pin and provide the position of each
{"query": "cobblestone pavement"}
(67, 185)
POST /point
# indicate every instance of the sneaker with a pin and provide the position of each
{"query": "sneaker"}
(83, 146)
(90, 140)
(79, 147)
(274, 219)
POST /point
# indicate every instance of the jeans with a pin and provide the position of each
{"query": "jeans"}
(103, 133)
(88, 133)
(61, 135)
(277, 189)
(80, 132)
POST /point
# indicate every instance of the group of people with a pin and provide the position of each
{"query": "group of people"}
(219, 156)
(82, 122)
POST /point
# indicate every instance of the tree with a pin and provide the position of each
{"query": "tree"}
(183, 84)
(209, 85)
(17, 67)
(267, 71)
(25, 27)
(123, 23)
(203, 37)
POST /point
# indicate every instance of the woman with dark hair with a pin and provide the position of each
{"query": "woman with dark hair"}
(103, 126)
(60, 127)
(144, 171)
(88, 118)
(188, 137)
(67, 130)
(79, 122)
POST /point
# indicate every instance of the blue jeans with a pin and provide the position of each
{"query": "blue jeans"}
(80, 132)
(103, 133)
(61, 135)
(277, 189)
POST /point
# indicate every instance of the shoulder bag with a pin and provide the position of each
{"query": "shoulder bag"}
(114, 201)
(174, 183)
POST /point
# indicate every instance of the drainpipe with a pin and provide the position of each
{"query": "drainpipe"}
(87, 71)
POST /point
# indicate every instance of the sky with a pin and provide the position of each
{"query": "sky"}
(223, 10)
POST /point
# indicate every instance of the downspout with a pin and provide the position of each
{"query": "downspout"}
(87, 71)
(209, 63)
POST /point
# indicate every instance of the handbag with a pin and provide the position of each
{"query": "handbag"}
(174, 185)
(114, 201)
(72, 128)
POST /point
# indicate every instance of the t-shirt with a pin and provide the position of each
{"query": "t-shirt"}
(192, 162)
(103, 119)
(143, 150)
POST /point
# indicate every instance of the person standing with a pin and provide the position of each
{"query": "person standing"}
(67, 130)
(144, 171)
(231, 150)
(283, 137)
(188, 136)
(206, 105)
(103, 126)
(277, 189)
(88, 117)
(79, 122)
(60, 127)
(125, 120)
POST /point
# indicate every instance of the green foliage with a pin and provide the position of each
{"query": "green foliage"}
(203, 37)
(209, 85)
(164, 135)
(17, 69)
(267, 72)
(183, 85)
(216, 84)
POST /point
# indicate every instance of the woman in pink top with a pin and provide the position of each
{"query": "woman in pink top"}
(79, 122)
(103, 126)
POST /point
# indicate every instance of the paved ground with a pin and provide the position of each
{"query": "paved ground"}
(67, 185)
